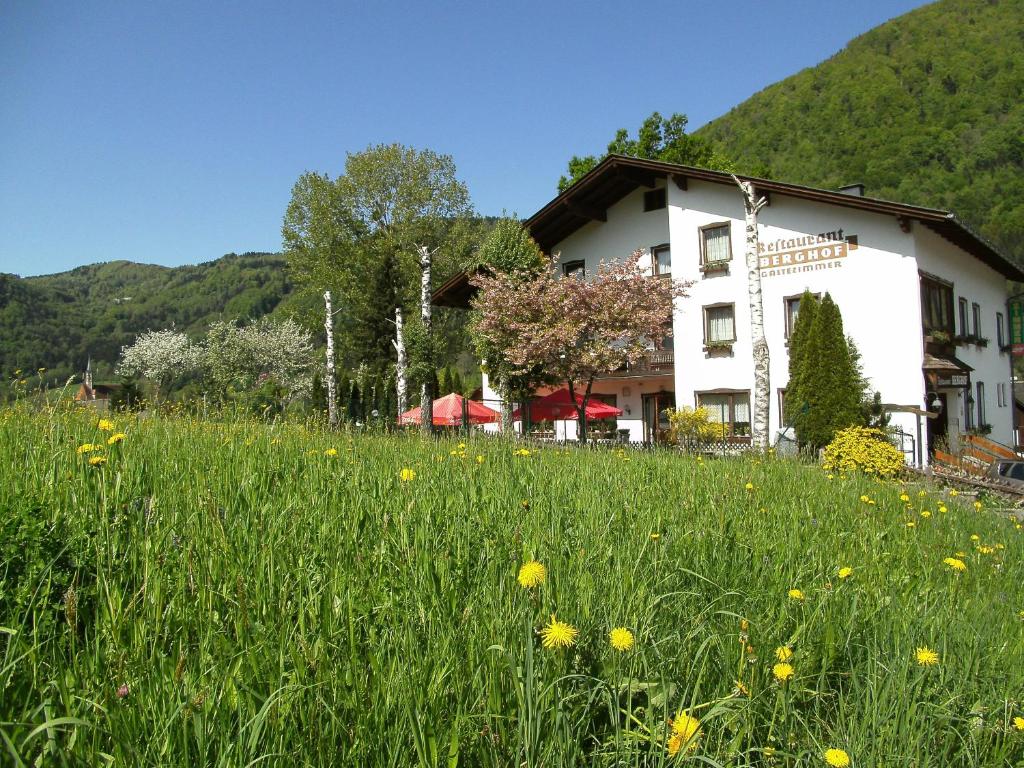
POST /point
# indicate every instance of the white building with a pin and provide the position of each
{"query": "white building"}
(922, 296)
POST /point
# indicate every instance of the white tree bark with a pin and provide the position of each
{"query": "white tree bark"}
(426, 391)
(762, 383)
(506, 407)
(401, 366)
(332, 395)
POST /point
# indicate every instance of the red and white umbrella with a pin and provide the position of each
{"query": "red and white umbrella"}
(558, 406)
(448, 412)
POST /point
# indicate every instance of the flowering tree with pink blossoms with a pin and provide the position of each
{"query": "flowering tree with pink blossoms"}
(576, 328)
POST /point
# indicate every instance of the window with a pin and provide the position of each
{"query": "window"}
(661, 260)
(976, 311)
(793, 312)
(667, 343)
(654, 199)
(715, 244)
(719, 324)
(968, 409)
(936, 305)
(576, 268)
(1000, 395)
(1000, 334)
(981, 404)
(783, 421)
(964, 330)
(729, 408)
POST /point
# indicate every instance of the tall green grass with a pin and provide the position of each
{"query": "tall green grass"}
(230, 595)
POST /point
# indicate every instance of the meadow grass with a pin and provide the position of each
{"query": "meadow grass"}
(234, 594)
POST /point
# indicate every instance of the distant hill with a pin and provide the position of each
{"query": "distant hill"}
(59, 321)
(927, 108)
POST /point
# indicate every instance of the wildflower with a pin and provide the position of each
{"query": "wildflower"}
(977, 505)
(558, 634)
(522, 452)
(621, 639)
(956, 565)
(795, 594)
(845, 572)
(116, 438)
(922, 494)
(332, 452)
(655, 536)
(479, 459)
(942, 509)
(985, 550)
(911, 524)
(904, 497)
(744, 625)
(865, 498)
(122, 692)
(975, 537)
(532, 574)
(86, 448)
(749, 486)
(837, 758)
(1018, 723)
(407, 475)
(783, 653)
(96, 461)
(926, 657)
(105, 425)
(739, 689)
(685, 733)
(783, 671)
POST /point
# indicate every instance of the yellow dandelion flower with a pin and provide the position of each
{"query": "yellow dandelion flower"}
(1018, 723)
(86, 448)
(621, 639)
(744, 625)
(558, 634)
(783, 653)
(904, 497)
(922, 494)
(749, 486)
(116, 438)
(655, 536)
(956, 565)
(331, 452)
(407, 475)
(975, 537)
(926, 657)
(532, 574)
(985, 550)
(522, 452)
(479, 459)
(845, 572)
(865, 499)
(977, 505)
(837, 758)
(942, 509)
(105, 425)
(686, 732)
(97, 461)
(911, 524)
(795, 594)
(954, 492)
(783, 672)
(739, 689)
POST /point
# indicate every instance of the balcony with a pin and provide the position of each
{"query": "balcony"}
(657, 362)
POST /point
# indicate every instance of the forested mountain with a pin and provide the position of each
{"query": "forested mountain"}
(58, 321)
(927, 108)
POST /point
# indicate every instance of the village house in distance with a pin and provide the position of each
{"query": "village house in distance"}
(923, 297)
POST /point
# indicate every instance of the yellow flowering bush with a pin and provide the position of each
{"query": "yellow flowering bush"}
(865, 449)
(693, 425)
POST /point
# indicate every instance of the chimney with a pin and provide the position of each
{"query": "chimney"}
(856, 190)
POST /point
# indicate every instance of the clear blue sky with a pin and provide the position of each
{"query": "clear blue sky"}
(172, 133)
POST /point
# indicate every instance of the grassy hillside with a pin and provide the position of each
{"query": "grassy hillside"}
(58, 321)
(227, 595)
(926, 109)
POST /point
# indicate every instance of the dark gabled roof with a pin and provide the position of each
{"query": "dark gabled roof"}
(618, 175)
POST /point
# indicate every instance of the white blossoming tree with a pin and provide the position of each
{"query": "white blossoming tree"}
(159, 356)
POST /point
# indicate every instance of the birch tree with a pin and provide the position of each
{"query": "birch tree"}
(762, 384)
(426, 387)
(401, 364)
(332, 395)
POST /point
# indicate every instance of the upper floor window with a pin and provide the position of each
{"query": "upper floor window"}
(654, 199)
(1000, 334)
(719, 323)
(576, 268)
(964, 328)
(981, 404)
(976, 312)
(937, 305)
(715, 243)
(661, 260)
(793, 312)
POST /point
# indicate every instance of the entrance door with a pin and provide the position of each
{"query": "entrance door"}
(938, 428)
(655, 419)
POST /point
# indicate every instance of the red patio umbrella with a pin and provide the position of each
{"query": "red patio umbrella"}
(448, 412)
(558, 406)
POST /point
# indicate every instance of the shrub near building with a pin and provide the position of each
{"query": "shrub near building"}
(865, 449)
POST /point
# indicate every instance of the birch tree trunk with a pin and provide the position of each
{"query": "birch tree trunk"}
(762, 384)
(506, 407)
(401, 365)
(426, 391)
(332, 395)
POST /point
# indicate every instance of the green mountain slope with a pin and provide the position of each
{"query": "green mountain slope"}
(927, 108)
(59, 321)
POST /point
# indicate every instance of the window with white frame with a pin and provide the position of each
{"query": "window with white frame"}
(715, 243)
(981, 404)
(976, 312)
(964, 327)
(793, 311)
(661, 260)
(720, 324)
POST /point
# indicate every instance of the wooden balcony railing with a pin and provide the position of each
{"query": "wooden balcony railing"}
(657, 362)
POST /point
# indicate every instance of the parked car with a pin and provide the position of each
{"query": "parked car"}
(1010, 471)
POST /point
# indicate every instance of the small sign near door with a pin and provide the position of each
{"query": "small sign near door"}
(956, 380)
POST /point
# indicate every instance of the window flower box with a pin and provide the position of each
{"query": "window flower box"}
(936, 336)
(712, 267)
(713, 347)
(981, 342)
